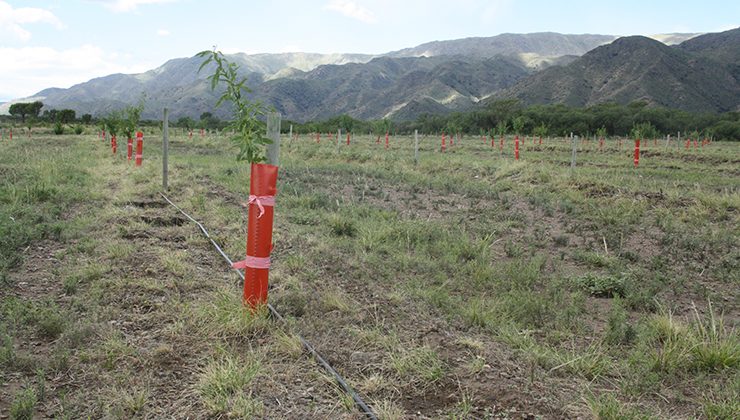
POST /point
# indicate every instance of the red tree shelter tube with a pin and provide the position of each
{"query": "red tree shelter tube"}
(347, 139)
(444, 146)
(262, 191)
(11, 134)
(139, 147)
(130, 148)
(516, 148)
(637, 152)
(493, 141)
(113, 144)
(386, 140)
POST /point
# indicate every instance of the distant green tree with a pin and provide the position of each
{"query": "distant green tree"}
(540, 130)
(24, 109)
(518, 124)
(208, 120)
(186, 122)
(86, 118)
(502, 128)
(66, 116)
(51, 115)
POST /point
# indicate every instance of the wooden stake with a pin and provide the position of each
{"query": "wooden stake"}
(273, 133)
(416, 147)
(165, 147)
(573, 141)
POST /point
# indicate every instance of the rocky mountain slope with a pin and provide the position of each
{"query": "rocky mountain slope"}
(699, 75)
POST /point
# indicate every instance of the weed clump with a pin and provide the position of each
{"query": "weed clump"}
(602, 286)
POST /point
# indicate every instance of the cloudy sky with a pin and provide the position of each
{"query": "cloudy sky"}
(59, 43)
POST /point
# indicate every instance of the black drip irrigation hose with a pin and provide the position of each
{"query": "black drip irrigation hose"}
(274, 313)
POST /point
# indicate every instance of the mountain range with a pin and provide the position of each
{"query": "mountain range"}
(695, 73)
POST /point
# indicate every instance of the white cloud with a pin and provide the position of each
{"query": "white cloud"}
(122, 6)
(163, 32)
(28, 70)
(11, 19)
(352, 9)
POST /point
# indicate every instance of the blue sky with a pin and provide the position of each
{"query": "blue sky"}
(58, 43)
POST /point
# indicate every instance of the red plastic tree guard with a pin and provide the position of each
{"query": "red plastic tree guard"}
(139, 147)
(113, 144)
(262, 191)
(130, 148)
(637, 152)
(444, 146)
(516, 148)
(386, 140)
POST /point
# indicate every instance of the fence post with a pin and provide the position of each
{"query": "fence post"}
(573, 141)
(273, 133)
(165, 147)
(416, 147)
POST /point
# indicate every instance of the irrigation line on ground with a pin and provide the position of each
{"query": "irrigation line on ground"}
(337, 377)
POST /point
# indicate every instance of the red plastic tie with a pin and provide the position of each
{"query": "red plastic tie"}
(261, 201)
(253, 262)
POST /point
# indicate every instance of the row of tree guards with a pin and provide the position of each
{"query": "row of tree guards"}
(129, 146)
(536, 141)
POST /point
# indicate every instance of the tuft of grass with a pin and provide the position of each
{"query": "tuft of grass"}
(721, 408)
(24, 404)
(134, 401)
(608, 407)
(594, 259)
(224, 315)
(223, 387)
(342, 226)
(7, 353)
(704, 345)
(113, 350)
(175, 262)
(717, 347)
(419, 365)
(288, 344)
(336, 300)
(389, 410)
(602, 286)
(618, 329)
